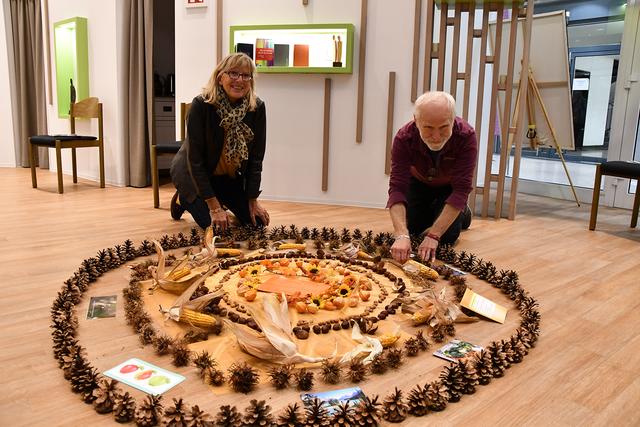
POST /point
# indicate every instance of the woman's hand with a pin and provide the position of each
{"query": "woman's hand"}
(219, 218)
(257, 211)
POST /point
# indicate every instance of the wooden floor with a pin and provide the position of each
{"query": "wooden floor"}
(584, 371)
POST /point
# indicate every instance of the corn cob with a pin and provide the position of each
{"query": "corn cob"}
(195, 318)
(365, 256)
(228, 252)
(388, 340)
(179, 274)
(296, 246)
(428, 272)
(420, 317)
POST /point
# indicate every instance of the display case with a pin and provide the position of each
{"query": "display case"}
(72, 62)
(302, 48)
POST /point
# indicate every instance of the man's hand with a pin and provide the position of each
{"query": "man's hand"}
(427, 249)
(219, 218)
(401, 249)
(257, 211)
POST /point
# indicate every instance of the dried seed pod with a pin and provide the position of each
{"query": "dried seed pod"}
(331, 371)
(280, 376)
(304, 379)
(242, 377)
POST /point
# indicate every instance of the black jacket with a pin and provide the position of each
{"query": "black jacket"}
(192, 168)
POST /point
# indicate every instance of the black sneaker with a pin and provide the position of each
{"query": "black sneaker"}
(466, 217)
(176, 209)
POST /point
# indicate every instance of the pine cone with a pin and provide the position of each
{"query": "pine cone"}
(228, 416)
(411, 347)
(149, 412)
(368, 412)
(394, 358)
(162, 344)
(417, 401)
(199, 418)
(316, 414)
(379, 365)
(181, 354)
(124, 408)
(498, 360)
(215, 377)
(280, 376)
(357, 371)
(483, 367)
(451, 378)
(423, 344)
(304, 379)
(469, 376)
(242, 377)
(176, 415)
(204, 361)
(291, 417)
(344, 416)
(105, 396)
(437, 396)
(394, 409)
(147, 335)
(331, 371)
(438, 333)
(258, 413)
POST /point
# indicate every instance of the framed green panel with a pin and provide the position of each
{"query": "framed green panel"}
(319, 36)
(72, 61)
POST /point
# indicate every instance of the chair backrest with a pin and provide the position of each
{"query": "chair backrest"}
(184, 114)
(89, 108)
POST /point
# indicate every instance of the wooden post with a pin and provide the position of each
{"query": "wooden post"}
(325, 134)
(390, 104)
(361, 69)
(467, 64)
(428, 47)
(218, 30)
(455, 54)
(416, 49)
(442, 44)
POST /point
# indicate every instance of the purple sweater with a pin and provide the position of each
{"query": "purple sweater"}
(410, 157)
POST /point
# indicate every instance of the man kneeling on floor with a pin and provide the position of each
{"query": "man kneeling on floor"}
(432, 163)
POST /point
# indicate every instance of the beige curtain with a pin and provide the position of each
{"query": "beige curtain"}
(27, 72)
(136, 97)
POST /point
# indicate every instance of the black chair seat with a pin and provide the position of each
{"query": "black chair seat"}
(621, 168)
(50, 140)
(168, 147)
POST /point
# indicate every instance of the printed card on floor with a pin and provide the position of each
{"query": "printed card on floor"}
(144, 376)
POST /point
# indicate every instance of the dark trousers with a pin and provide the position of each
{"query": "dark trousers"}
(424, 205)
(230, 193)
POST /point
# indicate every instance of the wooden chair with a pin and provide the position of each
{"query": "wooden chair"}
(166, 148)
(619, 169)
(88, 108)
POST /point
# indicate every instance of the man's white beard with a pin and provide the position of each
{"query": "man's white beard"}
(432, 148)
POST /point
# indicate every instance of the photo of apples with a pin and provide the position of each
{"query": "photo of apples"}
(144, 376)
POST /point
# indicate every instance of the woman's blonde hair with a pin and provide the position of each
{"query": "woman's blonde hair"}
(235, 60)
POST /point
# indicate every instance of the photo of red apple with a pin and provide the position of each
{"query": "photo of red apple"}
(126, 369)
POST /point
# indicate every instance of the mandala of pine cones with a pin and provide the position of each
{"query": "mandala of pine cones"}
(348, 283)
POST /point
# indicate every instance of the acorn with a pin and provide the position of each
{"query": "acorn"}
(345, 324)
(336, 327)
(301, 334)
(317, 329)
(326, 328)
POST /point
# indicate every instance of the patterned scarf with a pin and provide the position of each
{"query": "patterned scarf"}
(237, 135)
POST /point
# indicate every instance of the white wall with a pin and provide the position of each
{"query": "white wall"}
(103, 83)
(293, 163)
(7, 150)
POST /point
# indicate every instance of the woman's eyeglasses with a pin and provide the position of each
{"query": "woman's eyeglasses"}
(234, 75)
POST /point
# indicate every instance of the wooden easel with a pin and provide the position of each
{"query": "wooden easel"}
(533, 95)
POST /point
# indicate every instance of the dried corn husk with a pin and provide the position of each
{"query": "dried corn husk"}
(368, 348)
(275, 343)
(433, 309)
(183, 302)
(175, 281)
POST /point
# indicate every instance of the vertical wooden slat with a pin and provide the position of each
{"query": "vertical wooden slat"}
(361, 68)
(390, 104)
(492, 112)
(325, 134)
(519, 136)
(505, 124)
(218, 30)
(455, 54)
(480, 98)
(47, 49)
(428, 46)
(416, 49)
(467, 63)
(442, 44)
